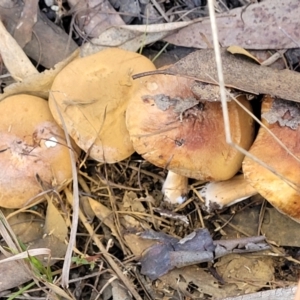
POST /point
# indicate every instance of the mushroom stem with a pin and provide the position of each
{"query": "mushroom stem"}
(175, 188)
(220, 194)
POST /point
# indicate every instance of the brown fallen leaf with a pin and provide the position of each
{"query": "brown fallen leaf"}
(239, 50)
(52, 237)
(37, 84)
(39, 48)
(130, 37)
(15, 60)
(239, 73)
(26, 226)
(23, 31)
(119, 292)
(286, 293)
(55, 224)
(275, 226)
(280, 229)
(104, 214)
(94, 16)
(251, 272)
(16, 272)
(269, 24)
(194, 283)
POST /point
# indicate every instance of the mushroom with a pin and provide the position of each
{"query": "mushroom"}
(92, 94)
(33, 150)
(174, 128)
(175, 188)
(280, 183)
(219, 194)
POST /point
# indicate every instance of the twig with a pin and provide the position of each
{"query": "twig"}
(101, 247)
(159, 9)
(291, 38)
(245, 7)
(74, 204)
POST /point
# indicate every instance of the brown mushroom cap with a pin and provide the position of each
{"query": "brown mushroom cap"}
(282, 118)
(172, 128)
(32, 146)
(92, 94)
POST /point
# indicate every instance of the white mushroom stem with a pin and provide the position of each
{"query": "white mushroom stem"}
(220, 194)
(175, 188)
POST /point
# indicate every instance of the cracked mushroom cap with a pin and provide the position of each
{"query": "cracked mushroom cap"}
(92, 95)
(173, 128)
(281, 117)
(32, 149)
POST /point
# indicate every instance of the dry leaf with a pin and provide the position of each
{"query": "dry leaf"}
(196, 280)
(54, 288)
(15, 60)
(49, 45)
(38, 84)
(269, 24)
(86, 208)
(26, 226)
(55, 224)
(104, 214)
(16, 273)
(130, 37)
(251, 272)
(287, 293)
(280, 229)
(94, 16)
(239, 73)
(24, 28)
(120, 292)
(239, 50)
(131, 202)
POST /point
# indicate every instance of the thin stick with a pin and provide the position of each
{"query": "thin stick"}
(75, 205)
(214, 30)
(104, 252)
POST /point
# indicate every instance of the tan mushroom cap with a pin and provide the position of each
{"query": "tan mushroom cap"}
(277, 191)
(170, 127)
(92, 94)
(32, 146)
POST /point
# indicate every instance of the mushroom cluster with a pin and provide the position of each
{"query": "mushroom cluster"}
(109, 115)
(166, 122)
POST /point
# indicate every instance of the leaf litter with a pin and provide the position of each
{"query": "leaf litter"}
(262, 25)
(146, 180)
(239, 73)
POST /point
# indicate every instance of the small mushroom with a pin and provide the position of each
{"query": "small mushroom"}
(92, 94)
(33, 151)
(219, 194)
(173, 128)
(175, 188)
(281, 184)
